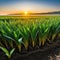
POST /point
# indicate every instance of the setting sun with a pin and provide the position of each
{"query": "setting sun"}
(25, 12)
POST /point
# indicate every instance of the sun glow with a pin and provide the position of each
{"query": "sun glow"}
(25, 12)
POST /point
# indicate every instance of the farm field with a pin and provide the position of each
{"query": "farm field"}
(24, 36)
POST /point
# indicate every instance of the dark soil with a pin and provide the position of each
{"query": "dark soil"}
(43, 53)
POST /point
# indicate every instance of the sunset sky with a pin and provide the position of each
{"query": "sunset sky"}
(34, 6)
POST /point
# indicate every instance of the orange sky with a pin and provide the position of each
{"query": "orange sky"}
(34, 7)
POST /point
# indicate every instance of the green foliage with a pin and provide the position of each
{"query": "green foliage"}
(8, 54)
(27, 32)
